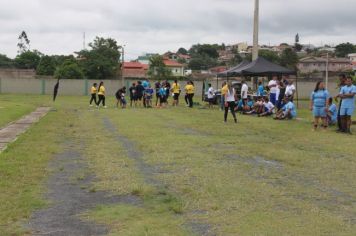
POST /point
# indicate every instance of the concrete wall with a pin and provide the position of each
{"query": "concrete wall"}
(81, 87)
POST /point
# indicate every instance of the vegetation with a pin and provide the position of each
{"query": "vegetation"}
(69, 70)
(158, 70)
(190, 169)
(342, 50)
(102, 60)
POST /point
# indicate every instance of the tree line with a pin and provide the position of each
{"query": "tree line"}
(100, 61)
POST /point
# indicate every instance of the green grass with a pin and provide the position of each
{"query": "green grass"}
(259, 177)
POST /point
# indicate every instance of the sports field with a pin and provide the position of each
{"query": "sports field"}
(174, 171)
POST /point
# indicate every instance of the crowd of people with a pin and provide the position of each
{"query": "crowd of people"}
(141, 94)
(276, 99)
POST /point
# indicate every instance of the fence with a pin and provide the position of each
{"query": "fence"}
(81, 87)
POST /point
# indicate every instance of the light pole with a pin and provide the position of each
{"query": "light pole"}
(123, 65)
(255, 31)
(255, 38)
(327, 71)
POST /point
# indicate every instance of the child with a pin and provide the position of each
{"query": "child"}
(162, 96)
(120, 97)
(288, 111)
(332, 112)
(148, 96)
(93, 92)
(347, 94)
(268, 107)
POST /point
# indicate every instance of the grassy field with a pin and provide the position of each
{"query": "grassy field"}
(192, 174)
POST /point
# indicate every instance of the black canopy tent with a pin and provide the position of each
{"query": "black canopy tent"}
(260, 67)
(263, 67)
(229, 72)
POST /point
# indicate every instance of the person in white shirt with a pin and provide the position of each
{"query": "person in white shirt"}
(273, 88)
(244, 92)
(290, 90)
(230, 102)
(269, 107)
(211, 96)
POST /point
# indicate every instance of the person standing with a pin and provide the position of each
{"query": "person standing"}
(347, 94)
(281, 94)
(290, 90)
(260, 89)
(244, 92)
(319, 104)
(223, 93)
(211, 95)
(120, 97)
(101, 94)
(93, 92)
(133, 99)
(189, 89)
(273, 87)
(176, 92)
(342, 80)
(139, 92)
(157, 88)
(230, 102)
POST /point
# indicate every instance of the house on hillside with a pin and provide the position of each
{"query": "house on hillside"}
(318, 64)
(135, 70)
(176, 57)
(176, 68)
(352, 57)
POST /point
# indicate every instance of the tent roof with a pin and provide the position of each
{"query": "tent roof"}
(262, 67)
(231, 70)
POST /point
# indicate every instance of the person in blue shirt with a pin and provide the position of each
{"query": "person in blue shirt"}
(250, 103)
(319, 104)
(347, 94)
(288, 111)
(260, 90)
(332, 112)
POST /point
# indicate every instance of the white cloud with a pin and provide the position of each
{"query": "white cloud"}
(56, 26)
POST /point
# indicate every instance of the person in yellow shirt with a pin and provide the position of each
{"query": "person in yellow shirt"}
(189, 90)
(176, 92)
(224, 90)
(93, 92)
(101, 94)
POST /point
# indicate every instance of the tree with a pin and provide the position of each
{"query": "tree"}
(236, 60)
(24, 43)
(182, 51)
(102, 60)
(298, 47)
(69, 70)
(268, 55)
(204, 50)
(28, 60)
(5, 62)
(158, 70)
(46, 66)
(289, 59)
(342, 50)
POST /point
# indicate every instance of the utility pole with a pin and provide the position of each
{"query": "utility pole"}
(327, 71)
(122, 65)
(84, 41)
(255, 31)
(255, 38)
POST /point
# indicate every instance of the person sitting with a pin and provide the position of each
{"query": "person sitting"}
(239, 104)
(332, 112)
(288, 111)
(268, 107)
(257, 107)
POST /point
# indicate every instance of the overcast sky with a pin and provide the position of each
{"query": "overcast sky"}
(57, 26)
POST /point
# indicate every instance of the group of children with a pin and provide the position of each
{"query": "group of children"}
(141, 93)
(325, 110)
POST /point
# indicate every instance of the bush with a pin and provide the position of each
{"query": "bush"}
(69, 70)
